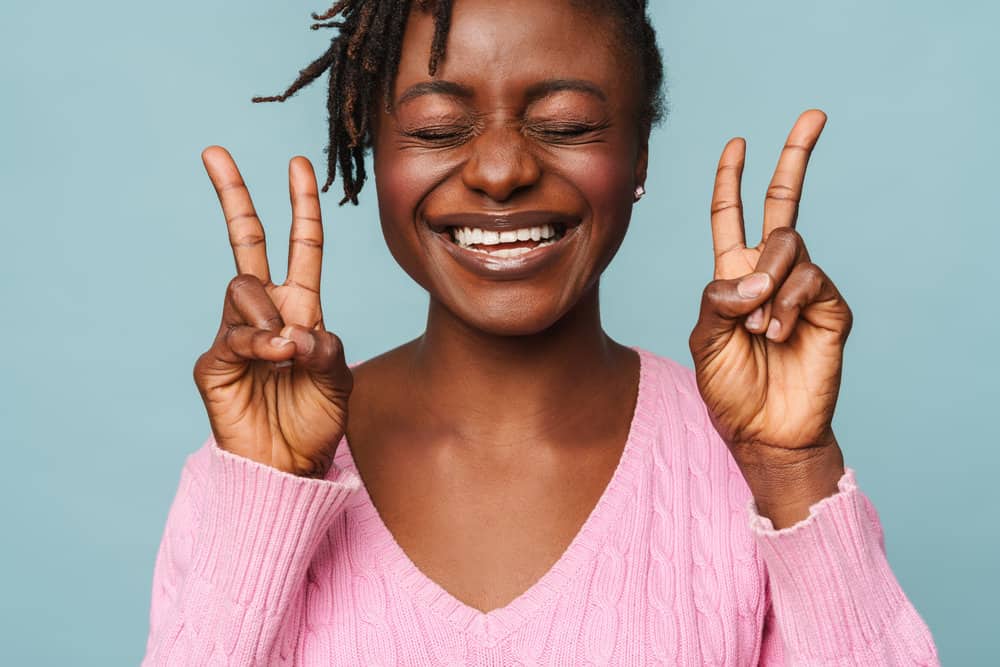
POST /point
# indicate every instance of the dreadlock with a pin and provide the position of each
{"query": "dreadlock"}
(363, 58)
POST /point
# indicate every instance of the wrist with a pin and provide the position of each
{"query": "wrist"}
(785, 487)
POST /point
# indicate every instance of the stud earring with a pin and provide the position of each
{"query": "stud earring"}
(639, 192)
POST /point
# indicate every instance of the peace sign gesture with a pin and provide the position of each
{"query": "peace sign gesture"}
(274, 382)
(768, 345)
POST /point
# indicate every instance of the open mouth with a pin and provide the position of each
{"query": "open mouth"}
(509, 242)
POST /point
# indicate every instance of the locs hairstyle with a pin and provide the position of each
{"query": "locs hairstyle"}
(363, 59)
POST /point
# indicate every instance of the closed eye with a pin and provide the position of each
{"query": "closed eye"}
(439, 135)
(563, 132)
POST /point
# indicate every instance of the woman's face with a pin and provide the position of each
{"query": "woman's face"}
(506, 182)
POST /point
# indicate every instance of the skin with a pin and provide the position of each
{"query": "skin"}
(517, 376)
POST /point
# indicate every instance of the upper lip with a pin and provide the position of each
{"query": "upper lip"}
(500, 221)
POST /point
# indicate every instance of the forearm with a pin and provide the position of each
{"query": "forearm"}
(835, 598)
(243, 564)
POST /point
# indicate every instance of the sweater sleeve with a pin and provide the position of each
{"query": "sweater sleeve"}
(232, 563)
(832, 598)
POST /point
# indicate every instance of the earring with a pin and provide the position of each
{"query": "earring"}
(639, 192)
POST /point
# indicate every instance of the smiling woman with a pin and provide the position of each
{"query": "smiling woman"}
(514, 486)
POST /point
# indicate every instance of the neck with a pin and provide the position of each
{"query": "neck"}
(503, 390)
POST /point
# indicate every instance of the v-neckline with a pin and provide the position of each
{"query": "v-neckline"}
(493, 626)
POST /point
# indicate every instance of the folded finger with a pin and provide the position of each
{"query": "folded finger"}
(249, 343)
(783, 249)
(247, 302)
(321, 353)
(806, 285)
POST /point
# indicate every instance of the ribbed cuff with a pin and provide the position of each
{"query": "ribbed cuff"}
(833, 591)
(261, 527)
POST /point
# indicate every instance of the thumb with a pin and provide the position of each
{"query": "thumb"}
(724, 302)
(320, 353)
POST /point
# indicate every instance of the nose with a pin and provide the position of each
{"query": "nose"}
(501, 164)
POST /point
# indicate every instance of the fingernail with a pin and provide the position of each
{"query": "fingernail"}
(286, 332)
(773, 328)
(279, 342)
(753, 322)
(753, 285)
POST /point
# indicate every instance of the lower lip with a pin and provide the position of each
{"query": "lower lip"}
(507, 268)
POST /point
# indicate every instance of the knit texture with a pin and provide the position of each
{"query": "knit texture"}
(674, 566)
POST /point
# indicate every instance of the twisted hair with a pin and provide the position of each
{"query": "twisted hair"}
(363, 58)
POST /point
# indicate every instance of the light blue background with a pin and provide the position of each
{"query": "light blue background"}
(114, 261)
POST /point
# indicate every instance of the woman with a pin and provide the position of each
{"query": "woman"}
(513, 486)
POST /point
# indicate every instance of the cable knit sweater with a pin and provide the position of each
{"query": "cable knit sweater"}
(673, 567)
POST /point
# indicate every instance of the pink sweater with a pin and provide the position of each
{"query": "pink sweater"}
(672, 567)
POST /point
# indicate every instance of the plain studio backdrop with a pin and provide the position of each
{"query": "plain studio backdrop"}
(115, 260)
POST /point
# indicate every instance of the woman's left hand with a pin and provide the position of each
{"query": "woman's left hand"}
(768, 362)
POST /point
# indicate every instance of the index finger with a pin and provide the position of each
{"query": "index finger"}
(246, 234)
(781, 206)
(727, 203)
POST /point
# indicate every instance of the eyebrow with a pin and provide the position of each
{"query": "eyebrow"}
(534, 92)
(540, 90)
(449, 88)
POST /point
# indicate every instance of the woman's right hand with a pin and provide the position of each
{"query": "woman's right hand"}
(274, 382)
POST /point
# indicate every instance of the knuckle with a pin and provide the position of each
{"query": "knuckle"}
(727, 167)
(335, 345)
(714, 291)
(228, 340)
(693, 339)
(848, 321)
(811, 272)
(308, 241)
(787, 302)
(200, 368)
(273, 323)
(797, 148)
(785, 236)
(248, 240)
(242, 281)
(720, 205)
(781, 192)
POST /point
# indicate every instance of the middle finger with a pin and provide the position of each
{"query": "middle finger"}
(781, 206)
(305, 246)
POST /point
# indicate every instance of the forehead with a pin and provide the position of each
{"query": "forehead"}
(501, 46)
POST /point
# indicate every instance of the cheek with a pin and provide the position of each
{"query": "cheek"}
(402, 183)
(604, 178)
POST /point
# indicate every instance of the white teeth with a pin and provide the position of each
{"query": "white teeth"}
(469, 236)
(510, 252)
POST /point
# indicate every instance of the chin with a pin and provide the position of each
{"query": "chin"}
(505, 321)
(510, 310)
